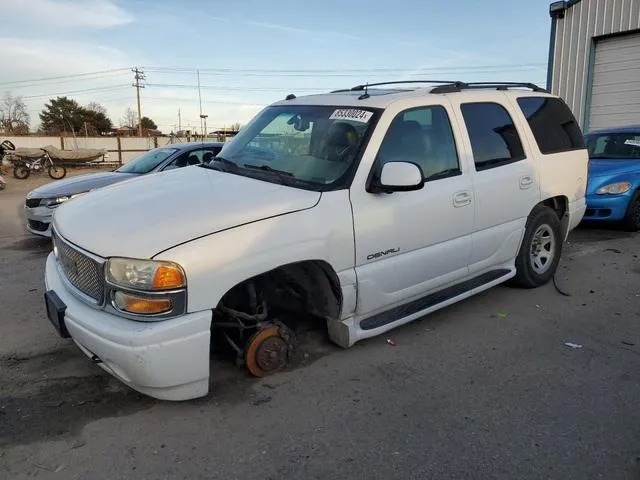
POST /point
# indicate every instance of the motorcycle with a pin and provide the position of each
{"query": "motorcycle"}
(24, 165)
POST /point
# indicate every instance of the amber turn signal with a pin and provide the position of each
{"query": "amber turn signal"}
(168, 276)
(145, 306)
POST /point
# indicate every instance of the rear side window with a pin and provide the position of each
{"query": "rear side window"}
(552, 123)
(494, 138)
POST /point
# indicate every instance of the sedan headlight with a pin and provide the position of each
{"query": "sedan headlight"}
(145, 275)
(614, 188)
(54, 202)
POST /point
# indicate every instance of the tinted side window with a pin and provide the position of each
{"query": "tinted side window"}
(423, 136)
(210, 153)
(552, 123)
(494, 138)
(193, 157)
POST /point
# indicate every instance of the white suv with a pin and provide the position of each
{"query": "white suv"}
(368, 208)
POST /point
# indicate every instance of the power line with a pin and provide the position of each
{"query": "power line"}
(86, 90)
(75, 75)
(73, 80)
(505, 67)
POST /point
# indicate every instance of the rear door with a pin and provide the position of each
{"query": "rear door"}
(504, 175)
(559, 145)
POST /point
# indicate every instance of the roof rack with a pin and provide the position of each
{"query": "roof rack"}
(459, 86)
(359, 88)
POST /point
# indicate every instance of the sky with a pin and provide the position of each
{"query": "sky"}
(250, 53)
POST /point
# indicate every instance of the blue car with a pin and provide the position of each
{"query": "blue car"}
(613, 190)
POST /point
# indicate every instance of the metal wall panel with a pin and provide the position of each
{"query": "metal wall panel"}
(615, 92)
(574, 41)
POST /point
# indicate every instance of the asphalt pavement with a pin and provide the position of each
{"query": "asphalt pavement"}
(485, 389)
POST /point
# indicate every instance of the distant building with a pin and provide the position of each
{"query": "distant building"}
(594, 60)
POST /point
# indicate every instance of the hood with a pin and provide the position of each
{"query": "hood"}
(79, 184)
(611, 166)
(152, 213)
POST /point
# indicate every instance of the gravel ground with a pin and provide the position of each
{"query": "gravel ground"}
(485, 389)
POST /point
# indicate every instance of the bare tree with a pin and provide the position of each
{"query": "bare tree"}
(13, 115)
(129, 118)
(96, 107)
(236, 127)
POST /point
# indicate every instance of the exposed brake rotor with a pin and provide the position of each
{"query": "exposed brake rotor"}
(269, 350)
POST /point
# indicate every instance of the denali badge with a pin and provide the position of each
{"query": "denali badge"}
(382, 254)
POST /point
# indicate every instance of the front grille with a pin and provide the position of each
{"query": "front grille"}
(38, 226)
(32, 202)
(84, 273)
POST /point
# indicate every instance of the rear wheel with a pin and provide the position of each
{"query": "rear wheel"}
(21, 171)
(56, 172)
(540, 250)
(631, 220)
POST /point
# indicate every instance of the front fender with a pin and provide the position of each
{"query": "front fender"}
(216, 263)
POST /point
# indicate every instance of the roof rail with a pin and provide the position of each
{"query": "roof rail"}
(459, 86)
(359, 88)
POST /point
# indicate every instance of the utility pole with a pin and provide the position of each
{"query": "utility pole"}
(138, 77)
(200, 101)
(204, 117)
(179, 122)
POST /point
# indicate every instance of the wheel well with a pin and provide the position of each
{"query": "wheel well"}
(558, 204)
(311, 287)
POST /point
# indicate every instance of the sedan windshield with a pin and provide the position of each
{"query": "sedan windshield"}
(614, 145)
(300, 145)
(147, 161)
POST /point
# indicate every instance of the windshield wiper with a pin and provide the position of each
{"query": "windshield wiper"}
(221, 161)
(267, 168)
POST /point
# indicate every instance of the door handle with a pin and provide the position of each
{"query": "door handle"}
(526, 182)
(460, 199)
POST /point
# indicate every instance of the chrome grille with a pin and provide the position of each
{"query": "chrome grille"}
(82, 271)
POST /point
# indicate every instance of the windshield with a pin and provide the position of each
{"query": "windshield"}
(614, 145)
(147, 161)
(313, 146)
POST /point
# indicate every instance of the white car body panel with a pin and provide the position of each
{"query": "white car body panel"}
(324, 232)
(195, 202)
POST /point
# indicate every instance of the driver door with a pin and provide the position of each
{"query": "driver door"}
(409, 244)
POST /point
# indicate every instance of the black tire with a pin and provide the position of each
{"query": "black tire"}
(542, 224)
(631, 220)
(21, 171)
(56, 172)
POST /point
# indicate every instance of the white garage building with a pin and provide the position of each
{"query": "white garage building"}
(594, 60)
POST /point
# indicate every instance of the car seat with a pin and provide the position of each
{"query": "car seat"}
(340, 143)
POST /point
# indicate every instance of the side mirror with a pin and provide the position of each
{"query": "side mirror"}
(400, 177)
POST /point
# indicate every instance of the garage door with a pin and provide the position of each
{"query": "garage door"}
(615, 92)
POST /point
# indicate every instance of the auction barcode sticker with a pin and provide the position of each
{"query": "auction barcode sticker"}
(354, 114)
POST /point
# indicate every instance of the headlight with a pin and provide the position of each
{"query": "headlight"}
(54, 202)
(614, 188)
(147, 275)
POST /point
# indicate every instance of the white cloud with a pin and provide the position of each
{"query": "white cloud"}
(65, 13)
(316, 35)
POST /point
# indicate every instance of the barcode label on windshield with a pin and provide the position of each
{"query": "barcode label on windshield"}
(351, 114)
(633, 143)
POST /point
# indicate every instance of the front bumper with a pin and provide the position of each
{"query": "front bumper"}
(168, 360)
(38, 220)
(606, 207)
